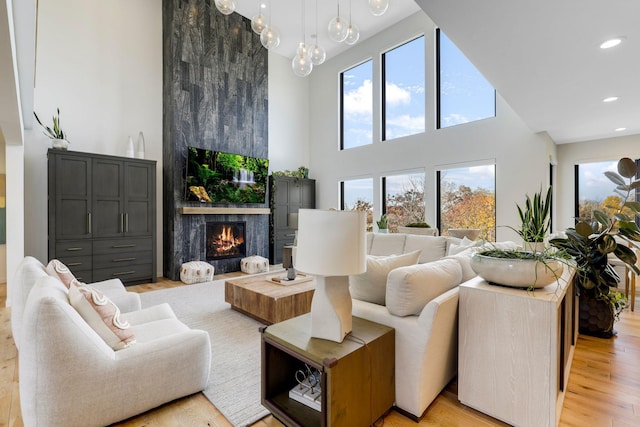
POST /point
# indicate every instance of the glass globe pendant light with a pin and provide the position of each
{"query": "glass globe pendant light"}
(301, 63)
(337, 29)
(318, 54)
(378, 7)
(258, 22)
(226, 7)
(270, 36)
(353, 32)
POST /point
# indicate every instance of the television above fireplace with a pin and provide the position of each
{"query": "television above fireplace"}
(219, 177)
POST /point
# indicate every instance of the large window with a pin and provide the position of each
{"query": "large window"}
(464, 95)
(356, 102)
(403, 98)
(467, 199)
(357, 195)
(403, 199)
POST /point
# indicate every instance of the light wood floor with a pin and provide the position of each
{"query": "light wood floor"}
(604, 386)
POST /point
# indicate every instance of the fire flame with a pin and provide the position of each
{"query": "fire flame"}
(226, 242)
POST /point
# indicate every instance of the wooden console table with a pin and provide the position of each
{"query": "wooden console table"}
(515, 349)
(358, 380)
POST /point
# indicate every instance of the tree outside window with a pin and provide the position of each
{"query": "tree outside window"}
(595, 191)
(467, 199)
(404, 199)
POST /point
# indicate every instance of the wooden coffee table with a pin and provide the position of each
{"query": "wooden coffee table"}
(266, 301)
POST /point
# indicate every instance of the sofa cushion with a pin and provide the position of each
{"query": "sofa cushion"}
(60, 271)
(387, 244)
(410, 288)
(102, 315)
(464, 258)
(371, 285)
(433, 247)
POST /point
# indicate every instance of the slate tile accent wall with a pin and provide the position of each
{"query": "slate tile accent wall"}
(215, 91)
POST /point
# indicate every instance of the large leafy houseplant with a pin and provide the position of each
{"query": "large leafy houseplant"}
(592, 241)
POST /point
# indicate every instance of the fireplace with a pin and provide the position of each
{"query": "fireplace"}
(225, 240)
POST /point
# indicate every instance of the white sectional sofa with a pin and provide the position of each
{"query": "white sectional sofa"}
(421, 303)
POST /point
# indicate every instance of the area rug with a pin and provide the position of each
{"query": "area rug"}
(234, 384)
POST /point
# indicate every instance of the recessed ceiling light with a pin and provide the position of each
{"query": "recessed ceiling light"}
(620, 129)
(610, 99)
(611, 43)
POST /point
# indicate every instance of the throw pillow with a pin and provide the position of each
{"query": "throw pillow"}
(465, 243)
(464, 258)
(371, 285)
(60, 271)
(409, 289)
(102, 315)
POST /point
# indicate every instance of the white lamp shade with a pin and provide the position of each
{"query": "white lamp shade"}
(331, 243)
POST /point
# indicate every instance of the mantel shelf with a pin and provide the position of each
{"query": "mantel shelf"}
(223, 211)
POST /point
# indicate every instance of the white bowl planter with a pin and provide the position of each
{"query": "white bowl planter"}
(517, 272)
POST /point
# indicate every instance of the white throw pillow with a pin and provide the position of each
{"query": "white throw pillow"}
(433, 247)
(102, 315)
(371, 285)
(409, 289)
(464, 258)
(465, 243)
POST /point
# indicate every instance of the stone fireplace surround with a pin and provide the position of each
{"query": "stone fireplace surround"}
(215, 91)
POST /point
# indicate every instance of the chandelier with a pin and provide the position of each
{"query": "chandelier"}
(341, 29)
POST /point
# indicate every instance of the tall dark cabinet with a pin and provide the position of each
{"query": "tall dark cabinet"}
(102, 216)
(287, 195)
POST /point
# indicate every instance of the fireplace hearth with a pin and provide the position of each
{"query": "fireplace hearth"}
(225, 240)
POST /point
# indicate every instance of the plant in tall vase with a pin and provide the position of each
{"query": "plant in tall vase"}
(535, 221)
(58, 137)
(383, 223)
(592, 242)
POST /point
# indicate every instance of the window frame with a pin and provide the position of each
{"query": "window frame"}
(383, 87)
(341, 104)
(438, 205)
(438, 86)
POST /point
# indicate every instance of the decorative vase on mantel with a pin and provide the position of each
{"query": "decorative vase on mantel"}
(59, 144)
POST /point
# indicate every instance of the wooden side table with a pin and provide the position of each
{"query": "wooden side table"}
(358, 377)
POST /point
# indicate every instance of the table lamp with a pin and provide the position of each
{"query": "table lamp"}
(331, 246)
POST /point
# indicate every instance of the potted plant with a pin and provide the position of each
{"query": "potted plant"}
(519, 269)
(383, 223)
(535, 221)
(418, 228)
(57, 135)
(591, 242)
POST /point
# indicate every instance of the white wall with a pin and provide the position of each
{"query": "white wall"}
(15, 211)
(570, 155)
(101, 64)
(521, 157)
(288, 116)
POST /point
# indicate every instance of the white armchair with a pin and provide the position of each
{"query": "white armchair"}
(70, 376)
(30, 269)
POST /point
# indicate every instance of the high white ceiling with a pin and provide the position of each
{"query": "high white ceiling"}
(286, 16)
(543, 57)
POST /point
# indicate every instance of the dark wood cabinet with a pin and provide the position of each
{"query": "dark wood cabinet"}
(102, 216)
(287, 196)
